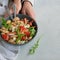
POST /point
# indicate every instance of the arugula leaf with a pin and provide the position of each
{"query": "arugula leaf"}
(19, 35)
(17, 31)
(19, 38)
(32, 31)
(9, 26)
(34, 47)
(4, 23)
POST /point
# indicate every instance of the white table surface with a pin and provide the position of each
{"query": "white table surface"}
(48, 19)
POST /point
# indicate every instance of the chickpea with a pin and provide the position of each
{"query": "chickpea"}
(8, 21)
(13, 23)
(5, 31)
(12, 41)
(16, 18)
(3, 28)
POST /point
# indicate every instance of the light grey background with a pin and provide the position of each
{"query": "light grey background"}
(48, 19)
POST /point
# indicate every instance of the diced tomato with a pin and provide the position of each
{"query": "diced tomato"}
(27, 33)
(5, 37)
(23, 38)
(23, 29)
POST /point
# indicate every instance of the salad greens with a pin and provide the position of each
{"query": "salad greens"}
(8, 26)
(32, 31)
(4, 23)
(34, 47)
(19, 35)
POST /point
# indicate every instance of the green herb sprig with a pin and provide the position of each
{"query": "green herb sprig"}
(35, 46)
(4, 23)
(19, 35)
(32, 31)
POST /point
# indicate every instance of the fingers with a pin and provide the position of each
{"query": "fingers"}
(28, 9)
(31, 13)
(23, 12)
(18, 5)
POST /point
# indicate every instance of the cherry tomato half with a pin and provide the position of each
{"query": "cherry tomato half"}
(5, 37)
(27, 33)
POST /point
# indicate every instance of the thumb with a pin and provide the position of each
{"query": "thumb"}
(31, 13)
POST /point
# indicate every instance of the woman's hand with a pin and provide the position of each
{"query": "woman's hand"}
(28, 9)
(18, 5)
(18, 8)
